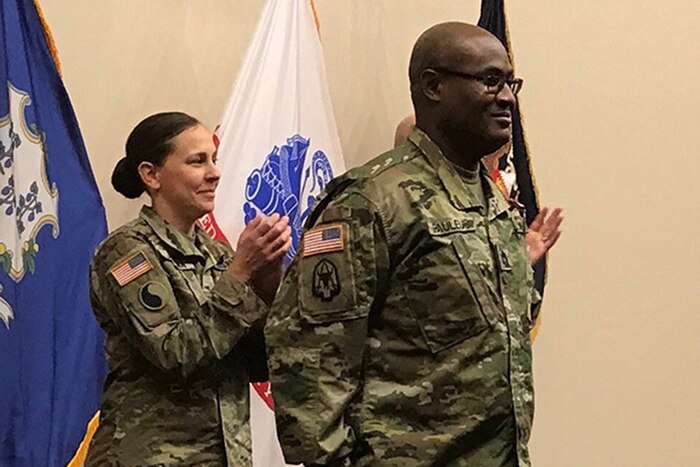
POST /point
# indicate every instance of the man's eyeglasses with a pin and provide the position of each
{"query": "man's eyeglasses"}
(494, 83)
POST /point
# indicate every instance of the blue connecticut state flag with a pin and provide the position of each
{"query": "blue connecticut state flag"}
(51, 219)
(515, 167)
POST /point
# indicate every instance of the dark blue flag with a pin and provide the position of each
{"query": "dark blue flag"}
(523, 187)
(51, 219)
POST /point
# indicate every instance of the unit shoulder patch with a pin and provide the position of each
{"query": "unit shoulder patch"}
(152, 295)
(325, 282)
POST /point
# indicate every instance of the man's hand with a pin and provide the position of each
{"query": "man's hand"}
(543, 233)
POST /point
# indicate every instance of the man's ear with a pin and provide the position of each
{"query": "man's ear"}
(149, 175)
(431, 85)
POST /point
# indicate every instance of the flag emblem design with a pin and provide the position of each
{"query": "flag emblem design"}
(28, 201)
(280, 185)
(323, 240)
(132, 268)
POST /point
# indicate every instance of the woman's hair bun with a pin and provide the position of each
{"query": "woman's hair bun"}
(126, 179)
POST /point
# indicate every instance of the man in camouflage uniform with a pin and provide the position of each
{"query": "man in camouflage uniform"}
(400, 334)
(177, 330)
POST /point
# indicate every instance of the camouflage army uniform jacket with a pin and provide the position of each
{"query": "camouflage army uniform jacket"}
(177, 388)
(400, 335)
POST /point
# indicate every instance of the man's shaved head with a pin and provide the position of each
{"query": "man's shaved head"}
(445, 45)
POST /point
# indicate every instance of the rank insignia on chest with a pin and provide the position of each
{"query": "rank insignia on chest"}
(505, 261)
(325, 239)
(131, 268)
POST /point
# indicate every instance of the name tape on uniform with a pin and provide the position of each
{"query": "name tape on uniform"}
(453, 225)
(131, 268)
(326, 239)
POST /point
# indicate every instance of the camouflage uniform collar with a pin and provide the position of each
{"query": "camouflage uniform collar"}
(169, 235)
(498, 202)
(459, 196)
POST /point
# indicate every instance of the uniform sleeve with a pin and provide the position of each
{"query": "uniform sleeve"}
(175, 330)
(316, 332)
(535, 304)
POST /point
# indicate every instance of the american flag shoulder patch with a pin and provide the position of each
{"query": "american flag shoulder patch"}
(324, 239)
(131, 268)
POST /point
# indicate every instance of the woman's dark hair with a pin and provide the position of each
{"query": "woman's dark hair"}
(150, 141)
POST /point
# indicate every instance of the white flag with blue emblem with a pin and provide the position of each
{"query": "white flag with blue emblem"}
(278, 147)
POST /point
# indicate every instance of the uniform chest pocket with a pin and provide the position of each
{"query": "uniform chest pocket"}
(445, 293)
(185, 280)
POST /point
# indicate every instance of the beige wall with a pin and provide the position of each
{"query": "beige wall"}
(611, 100)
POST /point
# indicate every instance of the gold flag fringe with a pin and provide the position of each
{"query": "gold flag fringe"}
(536, 328)
(49, 37)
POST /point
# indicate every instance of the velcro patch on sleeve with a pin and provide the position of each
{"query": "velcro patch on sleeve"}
(131, 268)
(324, 239)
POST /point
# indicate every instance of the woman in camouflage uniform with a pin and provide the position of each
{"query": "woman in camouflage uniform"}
(178, 308)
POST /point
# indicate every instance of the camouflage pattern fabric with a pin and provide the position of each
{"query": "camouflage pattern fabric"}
(176, 332)
(406, 343)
